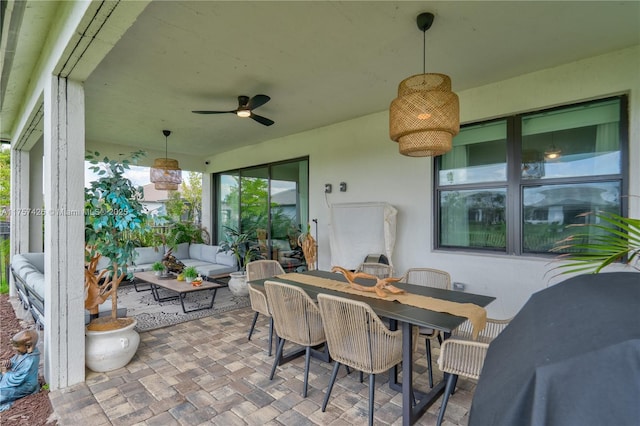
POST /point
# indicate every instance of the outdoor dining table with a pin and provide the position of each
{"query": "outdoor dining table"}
(407, 316)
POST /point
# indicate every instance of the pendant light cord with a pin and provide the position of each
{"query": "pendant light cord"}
(424, 52)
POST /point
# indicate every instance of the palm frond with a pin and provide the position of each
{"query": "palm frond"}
(613, 238)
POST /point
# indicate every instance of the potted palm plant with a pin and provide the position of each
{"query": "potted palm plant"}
(112, 210)
(610, 238)
(240, 245)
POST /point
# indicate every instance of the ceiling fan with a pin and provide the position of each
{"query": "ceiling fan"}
(245, 109)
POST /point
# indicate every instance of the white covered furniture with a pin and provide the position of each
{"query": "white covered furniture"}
(358, 229)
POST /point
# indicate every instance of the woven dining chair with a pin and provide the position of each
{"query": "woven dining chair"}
(358, 338)
(462, 356)
(380, 270)
(297, 319)
(486, 335)
(256, 270)
(435, 278)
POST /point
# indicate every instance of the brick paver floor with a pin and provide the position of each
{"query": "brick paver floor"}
(205, 372)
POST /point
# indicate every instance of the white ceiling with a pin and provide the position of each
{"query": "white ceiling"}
(320, 62)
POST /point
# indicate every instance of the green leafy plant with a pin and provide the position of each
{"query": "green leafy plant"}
(158, 267)
(184, 232)
(190, 272)
(112, 211)
(240, 245)
(612, 238)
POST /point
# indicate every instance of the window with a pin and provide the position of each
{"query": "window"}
(270, 203)
(514, 184)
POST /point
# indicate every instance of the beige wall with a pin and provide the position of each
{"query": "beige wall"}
(360, 153)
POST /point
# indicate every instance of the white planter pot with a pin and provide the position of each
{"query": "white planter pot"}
(238, 284)
(110, 350)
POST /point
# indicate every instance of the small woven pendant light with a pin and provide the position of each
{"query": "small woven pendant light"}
(166, 174)
(424, 118)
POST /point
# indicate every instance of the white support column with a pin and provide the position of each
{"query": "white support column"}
(64, 232)
(36, 197)
(19, 233)
(207, 204)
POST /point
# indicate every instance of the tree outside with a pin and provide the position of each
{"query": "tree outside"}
(5, 202)
(186, 204)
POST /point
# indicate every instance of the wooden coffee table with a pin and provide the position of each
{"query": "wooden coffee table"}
(181, 288)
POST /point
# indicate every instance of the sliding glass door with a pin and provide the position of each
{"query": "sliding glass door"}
(270, 204)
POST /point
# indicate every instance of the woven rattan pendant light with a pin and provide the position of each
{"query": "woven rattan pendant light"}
(165, 173)
(425, 116)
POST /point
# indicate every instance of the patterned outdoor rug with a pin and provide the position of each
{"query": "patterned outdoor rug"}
(151, 314)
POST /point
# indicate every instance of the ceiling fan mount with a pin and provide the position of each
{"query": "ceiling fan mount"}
(246, 105)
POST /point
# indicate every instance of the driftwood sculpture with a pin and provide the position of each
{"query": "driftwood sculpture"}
(381, 287)
(95, 292)
(171, 263)
(309, 248)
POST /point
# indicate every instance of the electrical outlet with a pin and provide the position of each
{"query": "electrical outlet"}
(327, 188)
(343, 186)
(459, 286)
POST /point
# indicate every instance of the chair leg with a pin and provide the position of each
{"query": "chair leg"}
(270, 334)
(455, 384)
(253, 325)
(361, 377)
(372, 388)
(334, 374)
(307, 359)
(445, 397)
(429, 365)
(278, 356)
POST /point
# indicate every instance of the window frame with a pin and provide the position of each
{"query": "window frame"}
(515, 184)
(216, 184)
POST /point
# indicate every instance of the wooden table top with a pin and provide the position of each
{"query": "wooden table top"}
(173, 284)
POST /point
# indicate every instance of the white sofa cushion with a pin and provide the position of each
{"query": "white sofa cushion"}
(226, 258)
(181, 251)
(195, 251)
(148, 255)
(209, 254)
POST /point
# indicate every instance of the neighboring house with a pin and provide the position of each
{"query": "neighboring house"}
(155, 200)
(111, 75)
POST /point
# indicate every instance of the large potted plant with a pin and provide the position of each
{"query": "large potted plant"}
(112, 211)
(240, 245)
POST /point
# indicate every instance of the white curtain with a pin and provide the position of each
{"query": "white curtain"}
(359, 229)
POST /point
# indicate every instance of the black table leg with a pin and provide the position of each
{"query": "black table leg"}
(182, 296)
(411, 413)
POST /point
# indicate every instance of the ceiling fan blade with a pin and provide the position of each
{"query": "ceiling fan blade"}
(258, 101)
(213, 112)
(262, 120)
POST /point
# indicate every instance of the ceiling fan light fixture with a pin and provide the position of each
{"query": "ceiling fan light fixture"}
(425, 116)
(552, 153)
(244, 113)
(165, 173)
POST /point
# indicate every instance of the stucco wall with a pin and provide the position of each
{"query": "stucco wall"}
(360, 153)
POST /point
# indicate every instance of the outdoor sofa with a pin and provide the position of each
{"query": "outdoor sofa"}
(28, 274)
(207, 259)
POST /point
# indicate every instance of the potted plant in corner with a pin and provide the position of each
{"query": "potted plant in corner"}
(240, 245)
(112, 211)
